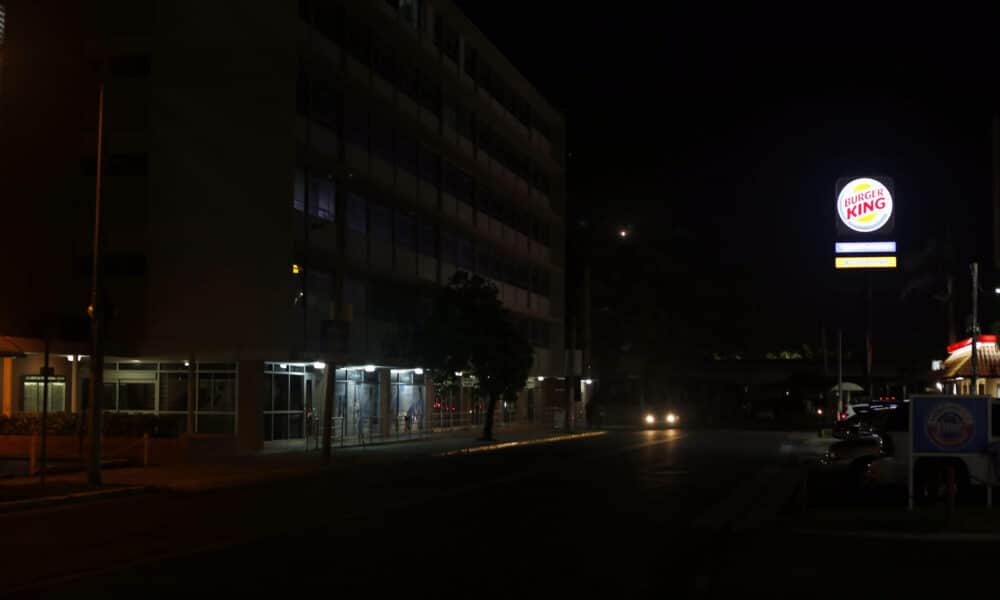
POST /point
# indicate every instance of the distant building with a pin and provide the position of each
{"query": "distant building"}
(285, 183)
(954, 374)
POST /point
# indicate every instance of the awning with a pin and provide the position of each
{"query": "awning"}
(10, 347)
(847, 386)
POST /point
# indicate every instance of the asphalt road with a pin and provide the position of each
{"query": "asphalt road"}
(612, 513)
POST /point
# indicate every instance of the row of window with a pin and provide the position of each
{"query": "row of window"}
(320, 97)
(384, 224)
(362, 43)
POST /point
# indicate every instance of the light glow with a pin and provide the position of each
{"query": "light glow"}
(588, 381)
(418, 371)
(296, 269)
(71, 358)
(319, 365)
(863, 247)
(369, 368)
(864, 205)
(650, 419)
(865, 262)
(541, 378)
(819, 411)
(671, 418)
(939, 386)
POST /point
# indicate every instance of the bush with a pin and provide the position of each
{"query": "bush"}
(115, 424)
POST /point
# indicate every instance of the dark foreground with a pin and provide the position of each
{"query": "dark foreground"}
(614, 513)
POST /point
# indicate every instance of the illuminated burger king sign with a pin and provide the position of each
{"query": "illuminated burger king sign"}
(864, 205)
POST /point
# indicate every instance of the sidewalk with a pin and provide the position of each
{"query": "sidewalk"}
(22, 493)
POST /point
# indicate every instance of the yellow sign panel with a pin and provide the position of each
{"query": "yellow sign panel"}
(865, 262)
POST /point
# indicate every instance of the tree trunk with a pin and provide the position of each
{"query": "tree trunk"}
(491, 406)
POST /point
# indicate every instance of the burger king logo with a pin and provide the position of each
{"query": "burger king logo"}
(950, 426)
(864, 205)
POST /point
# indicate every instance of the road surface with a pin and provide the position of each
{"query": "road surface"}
(612, 513)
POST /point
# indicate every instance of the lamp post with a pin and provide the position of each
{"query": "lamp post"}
(96, 312)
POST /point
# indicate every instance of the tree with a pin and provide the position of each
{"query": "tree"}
(469, 331)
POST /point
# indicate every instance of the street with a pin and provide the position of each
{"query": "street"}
(612, 512)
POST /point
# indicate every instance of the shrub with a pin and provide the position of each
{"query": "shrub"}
(115, 424)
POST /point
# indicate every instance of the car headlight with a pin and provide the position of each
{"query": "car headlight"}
(671, 418)
(650, 419)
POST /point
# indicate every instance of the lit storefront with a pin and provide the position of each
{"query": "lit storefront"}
(954, 374)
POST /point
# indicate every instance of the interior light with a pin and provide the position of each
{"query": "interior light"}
(283, 366)
(71, 358)
(369, 368)
(458, 373)
(319, 365)
(187, 363)
(296, 269)
(418, 371)
(540, 378)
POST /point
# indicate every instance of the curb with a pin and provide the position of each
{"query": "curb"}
(529, 442)
(47, 501)
(902, 536)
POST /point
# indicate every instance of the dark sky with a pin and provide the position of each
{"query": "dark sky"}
(730, 133)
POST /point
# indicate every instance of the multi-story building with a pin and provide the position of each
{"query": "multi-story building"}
(284, 183)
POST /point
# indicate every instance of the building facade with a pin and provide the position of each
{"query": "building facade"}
(285, 185)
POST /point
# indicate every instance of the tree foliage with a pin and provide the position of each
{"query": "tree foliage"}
(469, 331)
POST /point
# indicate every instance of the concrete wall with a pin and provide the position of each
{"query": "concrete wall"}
(223, 158)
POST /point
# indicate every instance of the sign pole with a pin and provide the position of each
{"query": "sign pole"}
(840, 372)
(913, 449)
(974, 389)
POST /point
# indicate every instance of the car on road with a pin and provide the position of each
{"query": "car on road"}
(668, 418)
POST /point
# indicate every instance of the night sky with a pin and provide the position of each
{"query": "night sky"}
(722, 141)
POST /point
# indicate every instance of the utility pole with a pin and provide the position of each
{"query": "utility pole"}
(45, 412)
(868, 337)
(96, 317)
(840, 373)
(975, 327)
(570, 370)
(826, 362)
(586, 340)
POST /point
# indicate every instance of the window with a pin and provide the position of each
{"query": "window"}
(408, 11)
(173, 392)
(135, 395)
(321, 198)
(325, 102)
(426, 239)
(449, 248)
(446, 39)
(470, 61)
(383, 61)
(322, 193)
(406, 154)
(328, 18)
(382, 140)
(457, 183)
(463, 122)
(3, 23)
(466, 255)
(541, 284)
(33, 392)
(216, 392)
(409, 81)
(406, 234)
(358, 41)
(430, 167)
(430, 96)
(539, 333)
(381, 222)
(357, 213)
(356, 124)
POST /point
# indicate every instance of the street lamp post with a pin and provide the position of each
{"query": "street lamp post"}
(96, 316)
